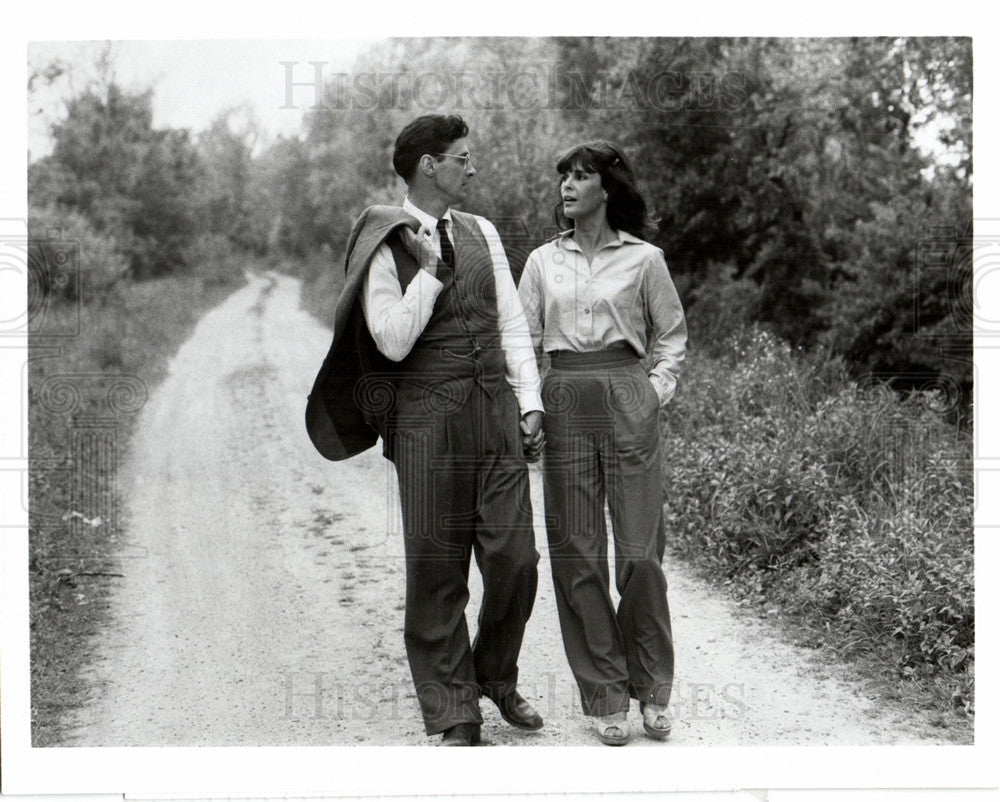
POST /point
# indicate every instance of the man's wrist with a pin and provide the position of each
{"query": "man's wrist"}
(529, 399)
(436, 283)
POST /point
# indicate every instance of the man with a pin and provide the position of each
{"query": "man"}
(431, 349)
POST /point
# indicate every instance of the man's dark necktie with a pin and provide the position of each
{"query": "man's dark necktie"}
(447, 249)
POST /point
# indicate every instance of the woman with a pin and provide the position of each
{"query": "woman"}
(598, 299)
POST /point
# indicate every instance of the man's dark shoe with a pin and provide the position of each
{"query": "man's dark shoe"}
(518, 712)
(465, 734)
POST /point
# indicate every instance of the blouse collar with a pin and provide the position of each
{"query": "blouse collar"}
(565, 240)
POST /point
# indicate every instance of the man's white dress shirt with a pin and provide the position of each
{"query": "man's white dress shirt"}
(396, 318)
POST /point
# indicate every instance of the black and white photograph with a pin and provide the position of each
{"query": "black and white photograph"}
(506, 391)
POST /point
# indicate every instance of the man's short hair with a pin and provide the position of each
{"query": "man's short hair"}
(431, 133)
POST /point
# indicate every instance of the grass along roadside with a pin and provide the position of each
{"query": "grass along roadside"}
(322, 277)
(844, 511)
(85, 392)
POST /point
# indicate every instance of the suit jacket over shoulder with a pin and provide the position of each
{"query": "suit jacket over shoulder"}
(353, 391)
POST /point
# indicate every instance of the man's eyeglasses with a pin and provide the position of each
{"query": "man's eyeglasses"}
(466, 158)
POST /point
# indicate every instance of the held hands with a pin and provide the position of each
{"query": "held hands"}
(421, 250)
(532, 435)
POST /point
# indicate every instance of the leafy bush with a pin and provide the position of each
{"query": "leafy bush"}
(849, 505)
(720, 305)
(69, 258)
(129, 179)
(322, 275)
(216, 261)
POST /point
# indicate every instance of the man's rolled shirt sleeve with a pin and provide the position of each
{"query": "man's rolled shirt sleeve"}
(396, 319)
(515, 335)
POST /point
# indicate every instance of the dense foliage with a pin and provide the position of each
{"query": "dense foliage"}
(159, 198)
(849, 504)
(789, 174)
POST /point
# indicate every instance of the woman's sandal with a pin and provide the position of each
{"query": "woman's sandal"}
(613, 730)
(655, 721)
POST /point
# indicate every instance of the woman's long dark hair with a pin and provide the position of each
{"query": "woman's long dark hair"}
(627, 208)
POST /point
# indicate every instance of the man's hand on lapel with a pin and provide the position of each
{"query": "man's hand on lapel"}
(421, 250)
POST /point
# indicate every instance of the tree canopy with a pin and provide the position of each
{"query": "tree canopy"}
(792, 177)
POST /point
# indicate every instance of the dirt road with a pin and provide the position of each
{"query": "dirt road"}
(267, 605)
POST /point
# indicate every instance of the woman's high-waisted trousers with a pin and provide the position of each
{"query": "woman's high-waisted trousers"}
(602, 436)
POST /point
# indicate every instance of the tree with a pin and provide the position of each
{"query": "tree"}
(786, 172)
(281, 179)
(129, 180)
(230, 200)
(794, 162)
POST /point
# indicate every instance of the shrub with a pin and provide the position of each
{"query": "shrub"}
(322, 275)
(218, 262)
(850, 505)
(720, 305)
(69, 258)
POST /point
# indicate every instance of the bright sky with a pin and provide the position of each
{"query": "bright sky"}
(195, 80)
